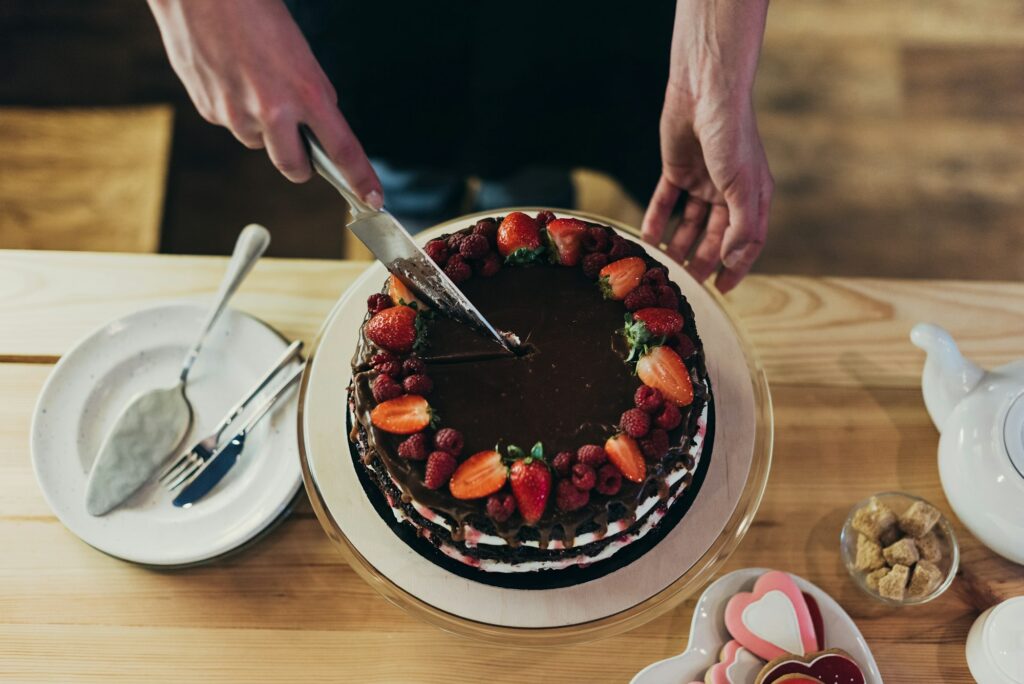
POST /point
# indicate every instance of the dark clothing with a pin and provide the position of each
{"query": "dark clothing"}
(485, 88)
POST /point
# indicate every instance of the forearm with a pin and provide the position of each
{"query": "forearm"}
(715, 49)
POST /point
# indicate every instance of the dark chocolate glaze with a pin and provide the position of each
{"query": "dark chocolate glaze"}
(568, 389)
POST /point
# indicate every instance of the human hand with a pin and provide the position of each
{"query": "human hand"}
(247, 67)
(711, 149)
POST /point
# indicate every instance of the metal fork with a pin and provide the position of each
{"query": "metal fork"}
(171, 476)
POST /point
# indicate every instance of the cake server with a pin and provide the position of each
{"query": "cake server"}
(153, 424)
(394, 247)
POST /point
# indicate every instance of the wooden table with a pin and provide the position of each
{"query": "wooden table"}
(849, 422)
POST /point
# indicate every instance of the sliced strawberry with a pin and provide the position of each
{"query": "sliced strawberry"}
(480, 475)
(620, 277)
(662, 369)
(565, 237)
(401, 295)
(405, 415)
(659, 321)
(519, 238)
(531, 484)
(625, 454)
(393, 329)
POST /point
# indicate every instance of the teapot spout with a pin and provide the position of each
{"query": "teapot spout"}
(948, 375)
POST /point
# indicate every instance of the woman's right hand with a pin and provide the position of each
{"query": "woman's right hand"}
(247, 67)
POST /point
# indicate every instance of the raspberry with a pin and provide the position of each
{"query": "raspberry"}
(620, 248)
(544, 218)
(474, 247)
(384, 387)
(487, 227)
(457, 269)
(437, 250)
(501, 506)
(376, 303)
(669, 418)
(635, 422)
(591, 455)
(648, 399)
(413, 366)
(440, 466)
(380, 358)
(609, 480)
(596, 239)
(667, 297)
(583, 477)
(683, 345)
(593, 263)
(656, 276)
(490, 265)
(390, 368)
(418, 384)
(641, 297)
(450, 440)
(454, 240)
(655, 445)
(415, 448)
(569, 498)
(562, 462)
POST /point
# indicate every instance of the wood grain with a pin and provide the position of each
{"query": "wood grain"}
(849, 422)
(84, 179)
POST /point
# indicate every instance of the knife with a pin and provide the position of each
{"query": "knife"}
(394, 247)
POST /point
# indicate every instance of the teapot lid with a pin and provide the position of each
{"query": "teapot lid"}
(1013, 434)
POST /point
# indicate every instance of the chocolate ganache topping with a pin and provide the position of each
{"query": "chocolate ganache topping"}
(568, 387)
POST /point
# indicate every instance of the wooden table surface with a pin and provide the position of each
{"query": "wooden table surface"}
(849, 422)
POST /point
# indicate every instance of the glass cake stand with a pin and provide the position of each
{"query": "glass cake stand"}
(678, 566)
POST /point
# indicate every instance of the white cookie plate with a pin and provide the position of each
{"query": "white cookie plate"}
(708, 633)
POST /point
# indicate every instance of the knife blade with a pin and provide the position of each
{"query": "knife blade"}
(394, 247)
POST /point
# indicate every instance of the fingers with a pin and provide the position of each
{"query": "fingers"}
(345, 150)
(745, 235)
(695, 213)
(659, 210)
(705, 258)
(284, 145)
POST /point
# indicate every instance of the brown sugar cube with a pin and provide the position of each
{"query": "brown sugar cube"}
(874, 519)
(929, 547)
(919, 519)
(872, 578)
(894, 585)
(903, 552)
(926, 577)
(869, 554)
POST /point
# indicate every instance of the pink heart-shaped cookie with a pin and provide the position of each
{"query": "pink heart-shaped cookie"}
(736, 665)
(833, 666)
(773, 620)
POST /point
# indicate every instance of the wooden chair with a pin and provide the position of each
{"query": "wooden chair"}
(83, 179)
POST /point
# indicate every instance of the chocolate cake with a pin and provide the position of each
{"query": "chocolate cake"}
(591, 439)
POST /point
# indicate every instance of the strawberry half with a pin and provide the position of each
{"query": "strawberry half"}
(660, 322)
(565, 238)
(662, 369)
(519, 238)
(393, 329)
(480, 475)
(625, 454)
(401, 295)
(619, 278)
(531, 484)
(405, 415)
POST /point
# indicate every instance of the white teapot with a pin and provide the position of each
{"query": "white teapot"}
(980, 416)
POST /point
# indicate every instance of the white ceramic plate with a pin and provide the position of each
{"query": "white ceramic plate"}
(91, 385)
(708, 633)
(345, 510)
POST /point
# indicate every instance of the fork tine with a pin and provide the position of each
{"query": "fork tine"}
(184, 476)
(175, 468)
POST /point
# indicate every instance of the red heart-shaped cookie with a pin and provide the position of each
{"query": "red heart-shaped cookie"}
(833, 666)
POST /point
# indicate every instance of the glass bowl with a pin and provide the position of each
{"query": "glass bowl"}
(898, 502)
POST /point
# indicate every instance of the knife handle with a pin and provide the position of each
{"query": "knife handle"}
(332, 174)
